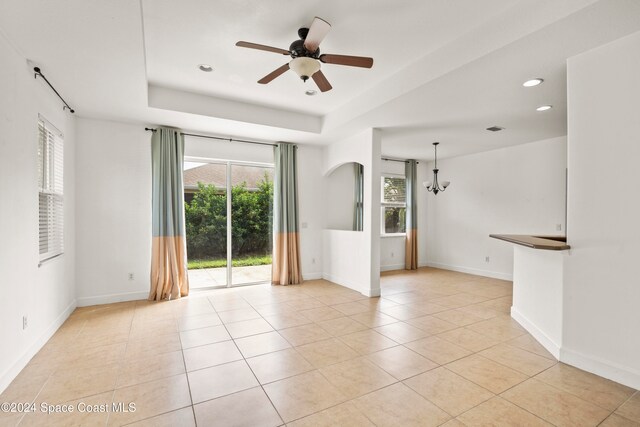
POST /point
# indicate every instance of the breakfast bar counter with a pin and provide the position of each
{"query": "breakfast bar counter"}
(538, 271)
(549, 243)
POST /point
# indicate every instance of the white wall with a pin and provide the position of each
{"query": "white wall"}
(537, 294)
(46, 295)
(424, 196)
(602, 289)
(347, 259)
(515, 190)
(225, 150)
(114, 211)
(312, 210)
(392, 249)
(363, 274)
(340, 197)
(114, 216)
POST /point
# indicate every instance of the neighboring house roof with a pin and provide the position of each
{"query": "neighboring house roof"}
(216, 174)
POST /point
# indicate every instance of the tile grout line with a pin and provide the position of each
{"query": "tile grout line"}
(315, 369)
(156, 379)
(249, 366)
(573, 394)
(472, 354)
(322, 292)
(126, 346)
(619, 406)
(186, 372)
(359, 356)
(373, 329)
(550, 385)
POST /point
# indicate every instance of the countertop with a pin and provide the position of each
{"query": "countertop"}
(549, 243)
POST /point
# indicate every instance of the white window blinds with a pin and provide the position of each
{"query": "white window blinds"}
(51, 190)
(393, 204)
(394, 190)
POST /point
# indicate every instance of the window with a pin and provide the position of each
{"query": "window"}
(394, 204)
(50, 190)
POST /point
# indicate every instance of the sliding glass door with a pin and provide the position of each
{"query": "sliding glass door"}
(205, 205)
(228, 212)
(251, 223)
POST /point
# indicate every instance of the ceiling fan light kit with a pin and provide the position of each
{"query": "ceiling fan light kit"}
(304, 67)
(306, 56)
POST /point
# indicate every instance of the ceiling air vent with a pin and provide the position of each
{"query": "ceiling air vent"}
(495, 128)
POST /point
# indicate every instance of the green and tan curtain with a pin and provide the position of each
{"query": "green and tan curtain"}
(358, 213)
(411, 247)
(286, 247)
(169, 278)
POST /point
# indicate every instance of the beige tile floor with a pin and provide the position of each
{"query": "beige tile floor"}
(438, 348)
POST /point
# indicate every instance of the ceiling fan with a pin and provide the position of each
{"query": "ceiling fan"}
(306, 56)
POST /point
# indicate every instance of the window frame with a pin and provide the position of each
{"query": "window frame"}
(384, 205)
(50, 157)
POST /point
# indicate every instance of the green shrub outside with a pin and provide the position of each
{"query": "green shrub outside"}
(206, 224)
(196, 264)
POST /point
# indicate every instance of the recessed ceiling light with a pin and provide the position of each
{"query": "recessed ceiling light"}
(495, 128)
(532, 82)
(205, 67)
(310, 92)
(544, 107)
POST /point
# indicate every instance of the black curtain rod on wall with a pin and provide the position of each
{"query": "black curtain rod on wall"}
(397, 160)
(39, 73)
(219, 138)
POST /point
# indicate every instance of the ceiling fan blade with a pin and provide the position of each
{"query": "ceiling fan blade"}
(263, 47)
(352, 61)
(317, 32)
(275, 73)
(321, 81)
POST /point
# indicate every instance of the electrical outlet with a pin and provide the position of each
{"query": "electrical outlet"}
(487, 259)
(558, 227)
(25, 322)
(131, 276)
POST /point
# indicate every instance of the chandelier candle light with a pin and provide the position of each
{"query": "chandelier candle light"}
(435, 186)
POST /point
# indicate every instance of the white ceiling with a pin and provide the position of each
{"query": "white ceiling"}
(181, 35)
(444, 70)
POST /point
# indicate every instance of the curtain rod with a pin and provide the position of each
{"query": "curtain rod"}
(37, 73)
(397, 160)
(219, 138)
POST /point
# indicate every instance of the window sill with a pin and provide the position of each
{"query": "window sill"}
(394, 235)
(50, 259)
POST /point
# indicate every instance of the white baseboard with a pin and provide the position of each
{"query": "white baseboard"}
(604, 368)
(392, 267)
(132, 296)
(108, 299)
(469, 270)
(351, 285)
(551, 346)
(371, 293)
(11, 373)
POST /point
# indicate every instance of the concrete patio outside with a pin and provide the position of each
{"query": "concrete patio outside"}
(207, 277)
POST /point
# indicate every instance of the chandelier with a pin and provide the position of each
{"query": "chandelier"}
(435, 186)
